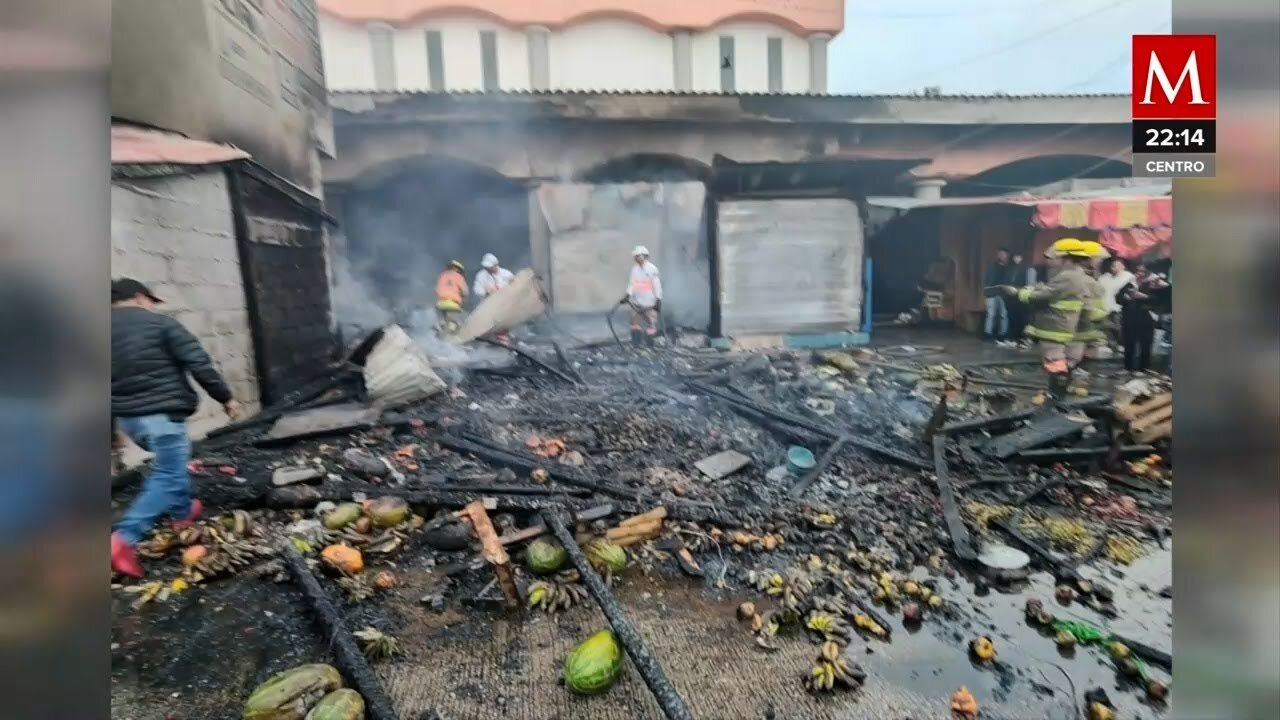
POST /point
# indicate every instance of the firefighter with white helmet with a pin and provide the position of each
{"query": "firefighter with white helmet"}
(644, 295)
(491, 278)
(1056, 307)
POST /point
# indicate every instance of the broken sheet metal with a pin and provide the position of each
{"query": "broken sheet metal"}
(516, 304)
(397, 372)
(317, 421)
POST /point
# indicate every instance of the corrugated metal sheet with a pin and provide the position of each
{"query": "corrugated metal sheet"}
(397, 372)
(132, 145)
(789, 266)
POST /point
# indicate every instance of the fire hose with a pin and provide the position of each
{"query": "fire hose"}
(608, 317)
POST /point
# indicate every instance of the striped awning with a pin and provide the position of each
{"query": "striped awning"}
(1104, 214)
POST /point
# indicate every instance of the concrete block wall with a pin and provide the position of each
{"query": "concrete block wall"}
(176, 234)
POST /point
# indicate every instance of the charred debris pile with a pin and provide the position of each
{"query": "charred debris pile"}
(838, 489)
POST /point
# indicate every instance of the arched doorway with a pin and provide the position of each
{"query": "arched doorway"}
(403, 222)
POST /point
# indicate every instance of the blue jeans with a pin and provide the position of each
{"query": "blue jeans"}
(167, 489)
(996, 309)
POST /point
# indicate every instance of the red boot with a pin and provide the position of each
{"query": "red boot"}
(123, 558)
(197, 508)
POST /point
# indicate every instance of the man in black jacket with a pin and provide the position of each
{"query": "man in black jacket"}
(151, 356)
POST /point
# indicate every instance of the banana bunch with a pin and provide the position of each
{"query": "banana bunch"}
(830, 627)
(832, 669)
(384, 542)
(227, 557)
(834, 604)
(558, 594)
(766, 628)
(864, 622)
(794, 589)
(355, 588)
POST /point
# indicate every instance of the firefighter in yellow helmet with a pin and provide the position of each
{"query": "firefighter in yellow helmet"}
(451, 292)
(1055, 307)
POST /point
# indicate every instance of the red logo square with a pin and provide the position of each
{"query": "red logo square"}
(1175, 77)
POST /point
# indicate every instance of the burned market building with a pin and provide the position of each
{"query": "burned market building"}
(754, 206)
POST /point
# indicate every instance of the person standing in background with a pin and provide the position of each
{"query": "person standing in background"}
(1021, 274)
(151, 356)
(644, 295)
(1115, 279)
(492, 278)
(451, 292)
(996, 324)
(1140, 300)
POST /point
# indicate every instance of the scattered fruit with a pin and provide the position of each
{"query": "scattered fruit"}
(344, 704)
(364, 526)
(935, 602)
(539, 476)
(606, 555)
(746, 611)
(1119, 651)
(911, 613)
(1098, 711)
(193, 555)
(545, 556)
(375, 644)
(343, 559)
(983, 648)
(1064, 593)
(283, 692)
(1065, 639)
(385, 580)
(342, 516)
(963, 703)
(1157, 690)
(387, 511)
(594, 664)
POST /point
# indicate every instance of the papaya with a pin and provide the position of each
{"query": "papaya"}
(387, 511)
(290, 694)
(342, 516)
(594, 664)
(544, 556)
(343, 558)
(344, 704)
(604, 554)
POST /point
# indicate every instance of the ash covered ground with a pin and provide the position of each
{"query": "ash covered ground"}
(866, 538)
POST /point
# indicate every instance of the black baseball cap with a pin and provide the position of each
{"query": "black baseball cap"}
(126, 288)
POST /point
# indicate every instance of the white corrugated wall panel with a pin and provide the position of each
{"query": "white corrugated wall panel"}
(789, 266)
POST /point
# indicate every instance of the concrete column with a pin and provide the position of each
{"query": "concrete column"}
(929, 188)
(818, 63)
(682, 59)
(539, 57)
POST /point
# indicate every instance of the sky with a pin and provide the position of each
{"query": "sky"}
(985, 46)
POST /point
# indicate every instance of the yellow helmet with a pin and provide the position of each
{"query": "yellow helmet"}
(1066, 246)
(457, 264)
(1095, 249)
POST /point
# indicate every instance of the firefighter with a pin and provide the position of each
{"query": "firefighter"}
(644, 295)
(1090, 340)
(451, 293)
(1055, 308)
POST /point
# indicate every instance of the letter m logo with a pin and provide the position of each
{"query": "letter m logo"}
(1175, 77)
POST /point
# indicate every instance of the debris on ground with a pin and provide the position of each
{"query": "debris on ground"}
(531, 493)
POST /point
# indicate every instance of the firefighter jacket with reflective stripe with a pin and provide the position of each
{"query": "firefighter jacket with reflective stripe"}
(1056, 305)
(1092, 314)
(451, 288)
(645, 287)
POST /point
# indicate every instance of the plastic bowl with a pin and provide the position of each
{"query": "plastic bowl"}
(799, 459)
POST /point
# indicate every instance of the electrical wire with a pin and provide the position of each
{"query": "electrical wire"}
(1118, 60)
(1033, 37)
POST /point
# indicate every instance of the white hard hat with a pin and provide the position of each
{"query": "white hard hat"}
(640, 250)
(489, 261)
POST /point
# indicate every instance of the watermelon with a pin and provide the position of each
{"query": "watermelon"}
(594, 664)
(345, 704)
(544, 557)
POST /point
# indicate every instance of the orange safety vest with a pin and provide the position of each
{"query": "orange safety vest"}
(451, 287)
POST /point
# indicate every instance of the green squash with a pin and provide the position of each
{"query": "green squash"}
(387, 511)
(594, 664)
(344, 704)
(342, 516)
(606, 556)
(290, 694)
(544, 557)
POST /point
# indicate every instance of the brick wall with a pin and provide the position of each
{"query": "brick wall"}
(175, 233)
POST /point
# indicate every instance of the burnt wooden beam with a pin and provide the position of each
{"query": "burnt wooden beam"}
(965, 426)
(1081, 454)
(673, 705)
(819, 468)
(960, 540)
(346, 654)
(1041, 431)
(533, 359)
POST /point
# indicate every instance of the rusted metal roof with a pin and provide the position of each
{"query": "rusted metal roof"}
(132, 145)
